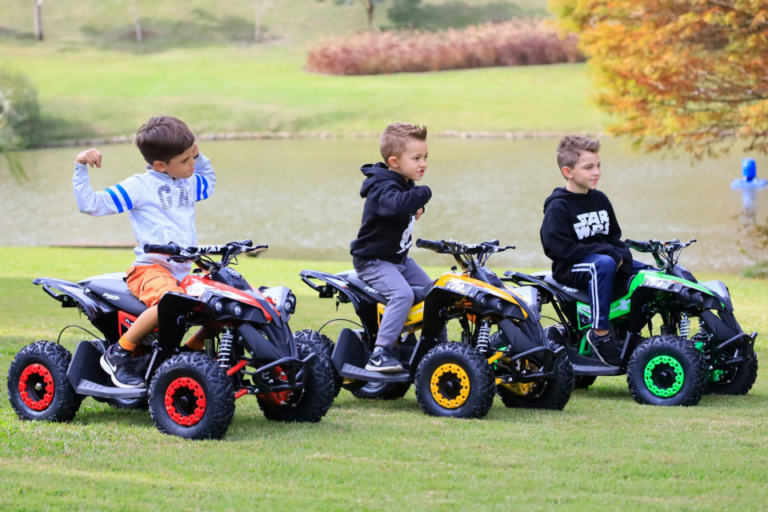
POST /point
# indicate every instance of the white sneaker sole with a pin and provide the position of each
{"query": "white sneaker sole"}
(391, 369)
(108, 369)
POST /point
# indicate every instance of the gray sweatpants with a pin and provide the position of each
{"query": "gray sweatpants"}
(394, 281)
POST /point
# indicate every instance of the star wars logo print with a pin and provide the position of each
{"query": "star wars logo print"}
(405, 241)
(592, 223)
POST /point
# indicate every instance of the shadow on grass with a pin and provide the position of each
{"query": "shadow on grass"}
(14, 33)
(604, 393)
(204, 29)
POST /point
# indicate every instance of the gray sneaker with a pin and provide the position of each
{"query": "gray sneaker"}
(382, 360)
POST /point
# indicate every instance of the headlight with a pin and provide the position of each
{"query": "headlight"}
(218, 306)
(290, 303)
(237, 310)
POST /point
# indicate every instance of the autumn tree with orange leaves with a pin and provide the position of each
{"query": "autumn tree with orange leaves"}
(690, 73)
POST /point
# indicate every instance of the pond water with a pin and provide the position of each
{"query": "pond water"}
(302, 198)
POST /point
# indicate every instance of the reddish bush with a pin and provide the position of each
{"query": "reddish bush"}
(514, 43)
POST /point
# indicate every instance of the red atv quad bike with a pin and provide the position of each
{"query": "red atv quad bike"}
(189, 394)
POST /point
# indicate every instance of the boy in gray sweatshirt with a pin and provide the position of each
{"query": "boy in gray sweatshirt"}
(161, 206)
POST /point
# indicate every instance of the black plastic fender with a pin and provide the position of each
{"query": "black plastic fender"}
(72, 294)
(263, 348)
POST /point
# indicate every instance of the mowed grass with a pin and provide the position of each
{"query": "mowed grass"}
(199, 63)
(104, 93)
(603, 452)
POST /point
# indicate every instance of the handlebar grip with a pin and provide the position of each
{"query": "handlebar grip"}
(171, 249)
(637, 245)
(431, 245)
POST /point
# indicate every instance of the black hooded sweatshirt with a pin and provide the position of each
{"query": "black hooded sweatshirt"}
(576, 225)
(391, 203)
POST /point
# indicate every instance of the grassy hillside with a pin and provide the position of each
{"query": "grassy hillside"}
(199, 63)
(174, 23)
(603, 452)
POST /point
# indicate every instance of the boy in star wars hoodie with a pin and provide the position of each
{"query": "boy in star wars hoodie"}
(393, 203)
(582, 237)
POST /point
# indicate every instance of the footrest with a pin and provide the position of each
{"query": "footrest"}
(354, 372)
(604, 371)
(89, 388)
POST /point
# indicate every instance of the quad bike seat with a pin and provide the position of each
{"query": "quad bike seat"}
(116, 293)
(620, 287)
(419, 292)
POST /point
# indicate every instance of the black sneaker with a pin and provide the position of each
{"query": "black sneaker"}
(605, 348)
(382, 361)
(118, 363)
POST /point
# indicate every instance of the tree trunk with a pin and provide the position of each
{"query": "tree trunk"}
(369, 12)
(136, 24)
(257, 31)
(39, 20)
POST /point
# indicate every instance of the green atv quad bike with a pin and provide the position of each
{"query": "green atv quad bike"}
(675, 366)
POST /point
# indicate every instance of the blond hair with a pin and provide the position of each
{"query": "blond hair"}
(394, 139)
(571, 147)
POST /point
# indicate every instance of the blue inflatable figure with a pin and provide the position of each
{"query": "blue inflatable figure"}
(749, 176)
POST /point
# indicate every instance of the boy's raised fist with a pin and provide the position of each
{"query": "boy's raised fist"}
(91, 157)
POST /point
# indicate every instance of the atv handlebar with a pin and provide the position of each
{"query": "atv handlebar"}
(431, 245)
(470, 257)
(657, 246)
(169, 249)
(666, 253)
(200, 254)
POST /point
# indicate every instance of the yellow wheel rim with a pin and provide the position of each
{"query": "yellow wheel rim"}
(523, 388)
(450, 386)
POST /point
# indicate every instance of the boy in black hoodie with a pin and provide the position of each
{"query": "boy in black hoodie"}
(393, 203)
(582, 237)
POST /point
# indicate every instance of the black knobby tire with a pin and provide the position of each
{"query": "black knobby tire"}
(737, 381)
(382, 390)
(321, 344)
(482, 382)
(311, 404)
(584, 381)
(55, 359)
(552, 394)
(203, 375)
(684, 356)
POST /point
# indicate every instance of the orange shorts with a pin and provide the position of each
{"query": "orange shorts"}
(149, 283)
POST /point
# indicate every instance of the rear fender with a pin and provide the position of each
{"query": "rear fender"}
(548, 293)
(333, 284)
(70, 295)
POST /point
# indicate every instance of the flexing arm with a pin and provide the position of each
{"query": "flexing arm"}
(115, 199)
(394, 202)
(205, 178)
(557, 238)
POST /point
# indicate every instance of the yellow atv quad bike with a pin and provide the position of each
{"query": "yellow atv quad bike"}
(457, 379)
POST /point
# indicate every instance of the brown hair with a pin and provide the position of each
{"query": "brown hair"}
(396, 136)
(162, 138)
(571, 147)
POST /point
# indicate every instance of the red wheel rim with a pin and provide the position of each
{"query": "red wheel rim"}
(36, 387)
(185, 401)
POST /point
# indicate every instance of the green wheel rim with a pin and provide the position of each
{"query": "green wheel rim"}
(657, 370)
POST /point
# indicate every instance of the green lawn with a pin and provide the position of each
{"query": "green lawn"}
(94, 81)
(604, 452)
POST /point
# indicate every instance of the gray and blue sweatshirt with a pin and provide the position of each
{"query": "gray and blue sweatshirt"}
(161, 208)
